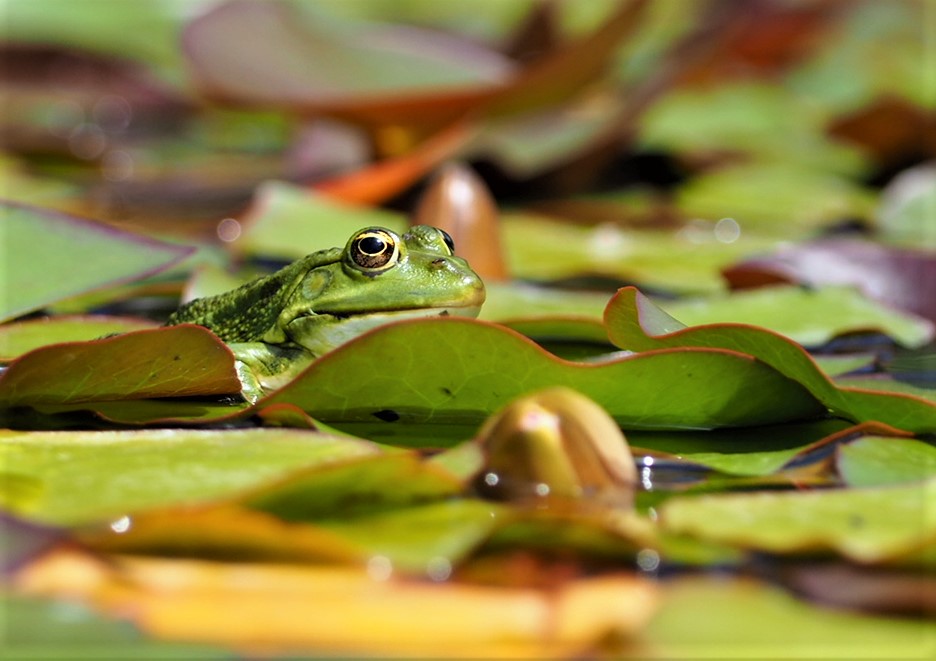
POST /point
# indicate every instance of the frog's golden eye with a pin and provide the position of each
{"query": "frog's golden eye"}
(447, 238)
(375, 250)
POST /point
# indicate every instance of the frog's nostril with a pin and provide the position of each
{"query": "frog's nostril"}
(437, 263)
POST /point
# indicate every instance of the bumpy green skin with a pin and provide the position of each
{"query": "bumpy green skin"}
(250, 312)
(277, 324)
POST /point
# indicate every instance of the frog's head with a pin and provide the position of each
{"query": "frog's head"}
(379, 277)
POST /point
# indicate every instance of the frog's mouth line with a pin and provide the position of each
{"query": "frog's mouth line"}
(445, 311)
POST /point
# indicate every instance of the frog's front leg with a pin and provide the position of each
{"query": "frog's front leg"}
(264, 367)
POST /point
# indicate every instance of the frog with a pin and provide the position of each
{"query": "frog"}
(279, 324)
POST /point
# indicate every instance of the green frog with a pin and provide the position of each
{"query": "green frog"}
(278, 324)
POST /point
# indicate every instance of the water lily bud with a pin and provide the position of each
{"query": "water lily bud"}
(556, 443)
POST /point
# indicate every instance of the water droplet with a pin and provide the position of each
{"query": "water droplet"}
(117, 166)
(727, 230)
(229, 230)
(379, 568)
(648, 560)
(491, 479)
(439, 568)
(121, 525)
(542, 489)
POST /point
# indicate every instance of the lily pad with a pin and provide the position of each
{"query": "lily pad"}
(367, 485)
(634, 323)
(177, 361)
(461, 370)
(19, 338)
(866, 525)
(747, 619)
(51, 256)
(872, 461)
(808, 316)
(287, 222)
(429, 539)
(389, 62)
(94, 476)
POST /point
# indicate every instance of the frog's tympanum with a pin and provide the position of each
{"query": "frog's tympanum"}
(277, 324)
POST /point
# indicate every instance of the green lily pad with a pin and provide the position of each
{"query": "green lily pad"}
(877, 383)
(51, 256)
(46, 629)
(685, 262)
(93, 476)
(428, 539)
(19, 338)
(167, 362)
(756, 118)
(836, 365)
(719, 617)
(808, 316)
(634, 323)
(370, 484)
(873, 461)
(866, 525)
(288, 222)
(460, 370)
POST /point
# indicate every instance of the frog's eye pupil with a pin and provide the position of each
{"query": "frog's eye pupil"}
(371, 245)
(448, 241)
(374, 250)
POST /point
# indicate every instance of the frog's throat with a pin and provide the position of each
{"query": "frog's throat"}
(321, 333)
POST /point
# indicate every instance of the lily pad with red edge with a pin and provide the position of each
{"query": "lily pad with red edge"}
(636, 324)
(458, 371)
(19, 338)
(901, 277)
(50, 256)
(179, 361)
(403, 75)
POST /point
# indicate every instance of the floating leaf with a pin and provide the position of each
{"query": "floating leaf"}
(866, 525)
(685, 262)
(93, 476)
(747, 619)
(755, 460)
(459, 371)
(51, 256)
(872, 462)
(167, 362)
(430, 539)
(904, 278)
(369, 484)
(808, 316)
(287, 222)
(19, 338)
(394, 65)
(634, 323)
(281, 607)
